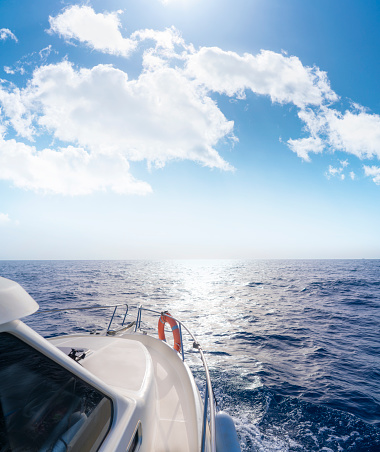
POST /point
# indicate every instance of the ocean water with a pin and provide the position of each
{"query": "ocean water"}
(293, 345)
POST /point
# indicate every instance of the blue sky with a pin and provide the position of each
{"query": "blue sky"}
(189, 129)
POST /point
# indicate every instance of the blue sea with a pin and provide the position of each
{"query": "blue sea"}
(293, 345)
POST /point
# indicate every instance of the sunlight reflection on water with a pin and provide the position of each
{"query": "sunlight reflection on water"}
(272, 331)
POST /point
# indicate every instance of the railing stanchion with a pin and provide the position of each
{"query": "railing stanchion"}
(138, 319)
(204, 418)
(125, 315)
(113, 315)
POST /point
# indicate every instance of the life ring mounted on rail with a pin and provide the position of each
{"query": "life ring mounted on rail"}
(165, 317)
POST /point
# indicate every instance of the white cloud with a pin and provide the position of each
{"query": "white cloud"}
(68, 171)
(166, 113)
(158, 117)
(107, 120)
(8, 70)
(283, 78)
(15, 107)
(356, 133)
(303, 146)
(5, 33)
(339, 171)
(102, 32)
(332, 172)
(98, 31)
(4, 219)
(374, 172)
(30, 61)
(165, 40)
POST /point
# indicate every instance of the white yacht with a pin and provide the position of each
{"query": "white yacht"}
(119, 389)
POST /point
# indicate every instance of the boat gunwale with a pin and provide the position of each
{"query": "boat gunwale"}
(209, 397)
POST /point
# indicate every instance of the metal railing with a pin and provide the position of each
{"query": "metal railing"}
(209, 393)
(93, 308)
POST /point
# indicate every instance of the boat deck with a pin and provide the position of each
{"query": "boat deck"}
(152, 375)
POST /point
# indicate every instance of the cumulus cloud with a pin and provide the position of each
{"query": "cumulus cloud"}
(106, 120)
(101, 117)
(99, 31)
(284, 79)
(158, 117)
(68, 171)
(355, 132)
(17, 112)
(5, 33)
(102, 32)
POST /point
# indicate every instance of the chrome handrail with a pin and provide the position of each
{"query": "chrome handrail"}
(209, 393)
(43, 311)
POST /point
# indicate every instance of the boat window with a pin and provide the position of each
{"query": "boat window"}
(44, 407)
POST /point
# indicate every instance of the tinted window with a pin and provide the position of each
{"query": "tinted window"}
(44, 407)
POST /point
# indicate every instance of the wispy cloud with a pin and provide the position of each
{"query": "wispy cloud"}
(374, 172)
(4, 219)
(335, 172)
(166, 2)
(304, 146)
(5, 33)
(30, 61)
(340, 171)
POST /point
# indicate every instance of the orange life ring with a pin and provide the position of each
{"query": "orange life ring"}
(175, 330)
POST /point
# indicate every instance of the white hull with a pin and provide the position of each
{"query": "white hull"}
(115, 391)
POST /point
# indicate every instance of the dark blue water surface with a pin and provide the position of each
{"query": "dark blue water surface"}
(293, 345)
